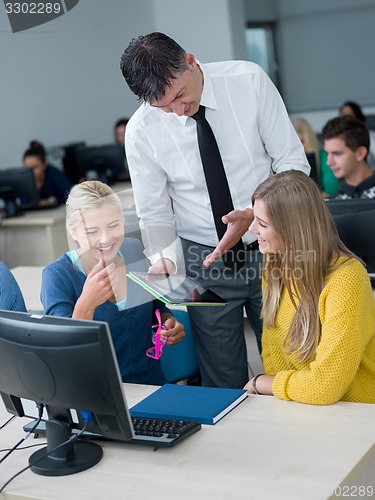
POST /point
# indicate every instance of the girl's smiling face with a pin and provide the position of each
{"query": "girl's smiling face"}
(101, 233)
(269, 241)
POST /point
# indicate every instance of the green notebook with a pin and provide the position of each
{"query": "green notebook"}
(177, 289)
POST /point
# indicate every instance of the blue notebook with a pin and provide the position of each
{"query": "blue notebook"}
(205, 405)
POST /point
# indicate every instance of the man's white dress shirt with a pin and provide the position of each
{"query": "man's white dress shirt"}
(254, 135)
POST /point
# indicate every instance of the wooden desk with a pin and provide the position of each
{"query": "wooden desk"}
(35, 238)
(264, 449)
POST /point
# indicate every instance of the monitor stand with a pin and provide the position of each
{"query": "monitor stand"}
(68, 458)
(10, 210)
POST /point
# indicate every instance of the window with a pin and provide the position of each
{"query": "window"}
(261, 48)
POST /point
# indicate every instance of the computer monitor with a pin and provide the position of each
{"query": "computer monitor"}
(64, 364)
(355, 221)
(18, 190)
(311, 158)
(64, 158)
(106, 163)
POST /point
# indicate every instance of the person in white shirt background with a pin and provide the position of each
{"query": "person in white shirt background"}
(255, 138)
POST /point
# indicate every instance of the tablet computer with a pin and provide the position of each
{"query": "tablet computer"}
(177, 289)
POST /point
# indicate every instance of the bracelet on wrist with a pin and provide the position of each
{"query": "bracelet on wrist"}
(254, 383)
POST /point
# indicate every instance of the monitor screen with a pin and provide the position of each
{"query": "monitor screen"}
(18, 190)
(64, 158)
(106, 163)
(355, 221)
(64, 364)
(311, 158)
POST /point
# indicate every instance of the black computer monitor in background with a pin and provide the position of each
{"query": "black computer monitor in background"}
(311, 158)
(18, 190)
(69, 161)
(106, 163)
(64, 364)
(355, 221)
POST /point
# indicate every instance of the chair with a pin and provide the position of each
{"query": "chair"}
(355, 221)
(180, 362)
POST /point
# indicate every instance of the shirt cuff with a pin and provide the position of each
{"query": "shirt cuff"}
(166, 253)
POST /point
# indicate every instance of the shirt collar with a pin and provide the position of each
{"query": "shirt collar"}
(208, 98)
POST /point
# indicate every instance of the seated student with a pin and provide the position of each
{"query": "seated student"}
(350, 108)
(318, 342)
(52, 184)
(120, 127)
(346, 141)
(327, 181)
(10, 294)
(90, 282)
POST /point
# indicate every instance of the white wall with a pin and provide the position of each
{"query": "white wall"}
(261, 10)
(213, 30)
(60, 82)
(326, 53)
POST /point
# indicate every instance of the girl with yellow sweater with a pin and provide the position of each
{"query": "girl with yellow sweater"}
(318, 343)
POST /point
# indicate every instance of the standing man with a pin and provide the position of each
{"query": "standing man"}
(172, 188)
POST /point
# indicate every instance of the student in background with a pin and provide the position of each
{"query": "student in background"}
(11, 298)
(350, 108)
(318, 309)
(52, 184)
(326, 180)
(90, 282)
(346, 141)
(120, 127)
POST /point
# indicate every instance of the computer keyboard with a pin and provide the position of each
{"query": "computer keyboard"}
(147, 431)
(162, 432)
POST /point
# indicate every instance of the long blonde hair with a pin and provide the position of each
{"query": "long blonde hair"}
(308, 138)
(298, 214)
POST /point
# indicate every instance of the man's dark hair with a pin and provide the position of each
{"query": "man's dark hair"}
(150, 63)
(352, 131)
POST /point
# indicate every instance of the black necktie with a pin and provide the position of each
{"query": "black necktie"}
(217, 185)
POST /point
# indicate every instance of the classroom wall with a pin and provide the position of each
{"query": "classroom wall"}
(61, 82)
(326, 52)
(213, 30)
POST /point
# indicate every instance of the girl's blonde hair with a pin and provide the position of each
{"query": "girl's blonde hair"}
(88, 194)
(300, 217)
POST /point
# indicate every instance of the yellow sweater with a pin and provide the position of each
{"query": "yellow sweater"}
(343, 368)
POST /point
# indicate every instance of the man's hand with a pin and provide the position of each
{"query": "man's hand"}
(162, 266)
(238, 222)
